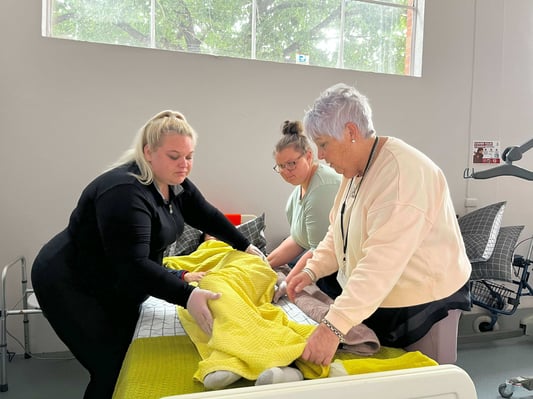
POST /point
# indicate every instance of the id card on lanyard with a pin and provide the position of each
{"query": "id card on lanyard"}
(346, 212)
(343, 274)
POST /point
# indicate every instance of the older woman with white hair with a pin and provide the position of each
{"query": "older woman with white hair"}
(393, 240)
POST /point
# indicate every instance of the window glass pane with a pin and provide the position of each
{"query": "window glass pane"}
(105, 21)
(294, 31)
(218, 27)
(375, 38)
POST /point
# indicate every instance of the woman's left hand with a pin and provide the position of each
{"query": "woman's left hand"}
(194, 276)
(321, 346)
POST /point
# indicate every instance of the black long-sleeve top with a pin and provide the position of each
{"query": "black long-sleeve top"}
(120, 228)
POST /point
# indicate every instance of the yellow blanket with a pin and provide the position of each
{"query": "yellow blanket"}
(250, 334)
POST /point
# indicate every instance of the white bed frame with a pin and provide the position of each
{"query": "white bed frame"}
(435, 382)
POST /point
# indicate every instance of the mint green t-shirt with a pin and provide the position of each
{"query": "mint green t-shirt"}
(309, 217)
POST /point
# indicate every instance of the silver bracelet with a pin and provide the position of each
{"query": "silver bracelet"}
(310, 273)
(335, 331)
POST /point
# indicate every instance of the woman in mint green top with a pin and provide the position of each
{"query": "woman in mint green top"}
(308, 206)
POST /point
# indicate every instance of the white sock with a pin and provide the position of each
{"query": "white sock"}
(220, 379)
(336, 369)
(275, 375)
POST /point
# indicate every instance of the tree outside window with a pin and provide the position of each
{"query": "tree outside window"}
(367, 35)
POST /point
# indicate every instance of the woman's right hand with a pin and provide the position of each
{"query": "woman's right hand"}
(296, 284)
(300, 265)
(198, 309)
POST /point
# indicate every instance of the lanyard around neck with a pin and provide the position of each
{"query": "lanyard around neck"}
(343, 208)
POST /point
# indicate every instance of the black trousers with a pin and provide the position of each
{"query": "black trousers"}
(97, 333)
(400, 327)
(327, 284)
(330, 285)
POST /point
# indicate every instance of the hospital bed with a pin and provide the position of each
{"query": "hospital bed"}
(152, 370)
(161, 361)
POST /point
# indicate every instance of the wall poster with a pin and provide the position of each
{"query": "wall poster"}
(486, 151)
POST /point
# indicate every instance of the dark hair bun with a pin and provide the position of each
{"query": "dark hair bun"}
(292, 127)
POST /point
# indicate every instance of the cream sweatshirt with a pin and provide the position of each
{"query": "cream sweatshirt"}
(404, 246)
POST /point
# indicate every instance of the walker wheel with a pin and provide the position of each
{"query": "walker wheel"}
(485, 327)
(505, 390)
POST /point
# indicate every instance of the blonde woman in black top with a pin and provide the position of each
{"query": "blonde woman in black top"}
(92, 277)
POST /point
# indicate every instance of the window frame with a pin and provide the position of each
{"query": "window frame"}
(414, 46)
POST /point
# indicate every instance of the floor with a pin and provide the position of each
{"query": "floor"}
(491, 363)
(45, 376)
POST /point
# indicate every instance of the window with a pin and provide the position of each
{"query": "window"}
(378, 36)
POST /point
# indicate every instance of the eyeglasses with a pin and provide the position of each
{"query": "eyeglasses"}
(288, 166)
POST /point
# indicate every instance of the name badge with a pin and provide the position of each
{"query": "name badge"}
(342, 278)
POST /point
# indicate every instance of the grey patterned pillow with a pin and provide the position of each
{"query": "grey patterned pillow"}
(254, 230)
(500, 265)
(480, 230)
(188, 242)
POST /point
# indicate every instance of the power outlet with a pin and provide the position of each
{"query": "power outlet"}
(470, 202)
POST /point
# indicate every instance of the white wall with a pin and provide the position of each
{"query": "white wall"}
(502, 99)
(68, 109)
